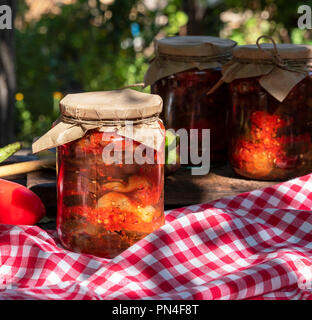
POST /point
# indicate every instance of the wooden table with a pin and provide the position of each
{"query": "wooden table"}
(181, 188)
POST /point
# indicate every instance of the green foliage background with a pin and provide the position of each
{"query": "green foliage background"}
(93, 46)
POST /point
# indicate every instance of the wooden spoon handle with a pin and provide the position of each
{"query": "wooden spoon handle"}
(25, 167)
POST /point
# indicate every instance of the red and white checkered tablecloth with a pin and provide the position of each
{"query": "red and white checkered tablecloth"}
(256, 245)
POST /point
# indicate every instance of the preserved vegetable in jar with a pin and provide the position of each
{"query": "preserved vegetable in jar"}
(110, 180)
(184, 70)
(271, 116)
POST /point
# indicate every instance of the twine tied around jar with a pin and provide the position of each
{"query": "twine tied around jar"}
(275, 56)
(105, 123)
(163, 59)
(234, 67)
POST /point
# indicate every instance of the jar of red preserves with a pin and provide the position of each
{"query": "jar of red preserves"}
(271, 115)
(110, 179)
(184, 70)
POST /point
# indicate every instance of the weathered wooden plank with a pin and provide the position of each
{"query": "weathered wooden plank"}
(43, 183)
(181, 189)
(20, 156)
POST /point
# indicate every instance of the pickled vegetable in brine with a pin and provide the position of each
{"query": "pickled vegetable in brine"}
(104, 208)
(187, 106)
(270, 140)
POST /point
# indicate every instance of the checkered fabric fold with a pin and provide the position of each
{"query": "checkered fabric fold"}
(257, 245)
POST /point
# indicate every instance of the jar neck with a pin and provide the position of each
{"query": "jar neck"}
(295, 63)
(117, 122)
(178, 58)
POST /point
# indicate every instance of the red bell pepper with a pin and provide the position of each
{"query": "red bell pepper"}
(19, 205)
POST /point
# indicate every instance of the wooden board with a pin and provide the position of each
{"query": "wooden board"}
(43, 183)
(181, 188)
(20, 156)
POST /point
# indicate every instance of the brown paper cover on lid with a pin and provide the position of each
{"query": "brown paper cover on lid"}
(107, 111)
(279, 66)
(285, 50)
(309, 47)
(194, 46)
(177, 54)
(123, 104)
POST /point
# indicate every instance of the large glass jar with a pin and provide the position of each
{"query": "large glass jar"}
(110, 180)
(105, 208)
(184, 91)
(188, 106)
(270, 139)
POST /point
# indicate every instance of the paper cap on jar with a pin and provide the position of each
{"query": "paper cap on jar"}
(279, 67)
(111, 105)
(265, 51)
(106, 111)
(196, 46)
(309, 57)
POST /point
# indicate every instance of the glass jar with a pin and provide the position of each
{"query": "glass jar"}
(184, 91)
(187, 105)
(271, 139)
(105, 208)
(110, 182)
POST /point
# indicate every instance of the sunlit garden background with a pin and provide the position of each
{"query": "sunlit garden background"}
(67, 46)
